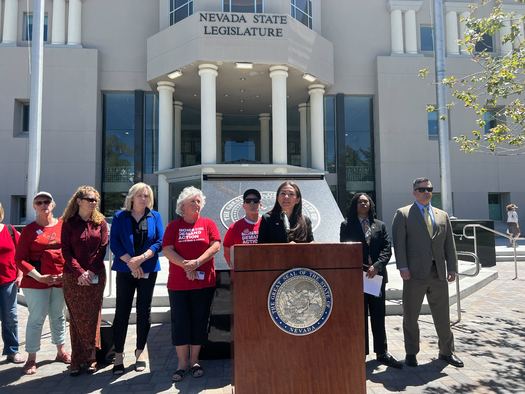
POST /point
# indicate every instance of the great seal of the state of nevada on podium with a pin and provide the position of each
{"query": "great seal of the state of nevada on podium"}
(300, 301)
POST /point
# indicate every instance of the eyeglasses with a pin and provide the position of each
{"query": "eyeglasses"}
(252, 200)
(43, 202)
(424, 189)
(89, 199)
(284, 194)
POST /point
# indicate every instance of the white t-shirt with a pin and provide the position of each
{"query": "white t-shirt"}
(512, 217)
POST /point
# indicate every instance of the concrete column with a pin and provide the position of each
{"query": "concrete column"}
(506, 48)
(316, 93)
(410, 31)
(74, 23)
(58, 27)
(451, 32)
(264, 120)
(279, 74)
(177, 134)
(208, 74)
(166, 90)
(303, 107)
(218, 118)
(1, 12)
(462, 28)
(10, 22)
(396, 34)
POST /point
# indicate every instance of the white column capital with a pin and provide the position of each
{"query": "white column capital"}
(264, 115)
(457, 7)
(207, 68)
(315, 88)
(404, 5)
(302, 107)
(278, 71)
(218, 115)
(178, 104)
(165, 85)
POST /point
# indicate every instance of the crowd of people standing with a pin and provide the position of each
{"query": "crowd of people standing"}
(59, 262)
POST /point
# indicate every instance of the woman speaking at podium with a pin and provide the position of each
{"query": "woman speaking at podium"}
(285, 222)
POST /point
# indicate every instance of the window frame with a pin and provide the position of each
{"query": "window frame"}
(27, 28)
(435, 137)
(227, 7)
(172, 11)
(309, 12)
(21, 117)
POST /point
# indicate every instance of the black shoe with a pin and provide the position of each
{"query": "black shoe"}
(452, 360)
(389, 360)
(411, 360)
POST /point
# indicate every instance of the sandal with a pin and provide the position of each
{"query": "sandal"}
(63, 358)
(118, 369)
(139, 364)
(92, 368)
(196, 371)
(29, 367)
(178, 375)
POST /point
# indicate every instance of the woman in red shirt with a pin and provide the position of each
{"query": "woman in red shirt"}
(39, 257)
(84, 242)
(190, 242)
(9, 284)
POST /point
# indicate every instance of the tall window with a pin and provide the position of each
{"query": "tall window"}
(180, 9)
(27, 33)
(302, 11)
(432, 124)
(21, 118)
(252, 6)
(426, 38)
(493, 118)
(330, 133)
(495, 208)
(359, 144)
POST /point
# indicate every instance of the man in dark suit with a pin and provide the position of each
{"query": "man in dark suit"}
(361, 226)
(426, 258)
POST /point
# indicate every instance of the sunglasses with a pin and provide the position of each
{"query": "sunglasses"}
(252, 200)
(424, 189)
(89, 199)
(43, 202)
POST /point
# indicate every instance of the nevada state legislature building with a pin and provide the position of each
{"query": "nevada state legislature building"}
(230, 94)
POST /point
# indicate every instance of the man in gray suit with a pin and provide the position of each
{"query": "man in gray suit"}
(426, 258)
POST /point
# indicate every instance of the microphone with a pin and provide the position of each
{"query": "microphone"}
(286, 222)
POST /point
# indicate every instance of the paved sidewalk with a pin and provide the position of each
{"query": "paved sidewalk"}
(490, 339)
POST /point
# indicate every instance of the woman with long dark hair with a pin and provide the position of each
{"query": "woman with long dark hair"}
(286, 222)
(362, 226)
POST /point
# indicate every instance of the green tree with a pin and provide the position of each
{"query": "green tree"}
(495, 92)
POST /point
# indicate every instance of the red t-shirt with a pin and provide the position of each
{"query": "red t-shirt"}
(41, 244)
(7, 256)
(242, 232)
(190, 241)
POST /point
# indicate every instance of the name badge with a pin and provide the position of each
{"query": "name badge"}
(200, 275)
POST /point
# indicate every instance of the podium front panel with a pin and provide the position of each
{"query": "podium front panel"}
(270, 360)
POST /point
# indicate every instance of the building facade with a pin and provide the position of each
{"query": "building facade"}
(139, 90)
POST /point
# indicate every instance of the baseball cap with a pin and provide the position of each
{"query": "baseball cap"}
(251, 191)
(43, 194)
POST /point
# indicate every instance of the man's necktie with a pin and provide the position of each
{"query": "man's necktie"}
(428, 221)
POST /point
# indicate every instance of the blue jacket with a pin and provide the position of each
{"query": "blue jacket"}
(121, 240)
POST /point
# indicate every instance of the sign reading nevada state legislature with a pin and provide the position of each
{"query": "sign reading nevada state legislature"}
(246, 25)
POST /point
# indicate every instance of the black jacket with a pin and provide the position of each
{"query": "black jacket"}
(271, 230)
(379, 249)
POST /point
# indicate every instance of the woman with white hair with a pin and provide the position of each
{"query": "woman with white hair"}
(190, 242)
(135, 240)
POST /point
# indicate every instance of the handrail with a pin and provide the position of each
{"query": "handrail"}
(458, 274)
(511, 239)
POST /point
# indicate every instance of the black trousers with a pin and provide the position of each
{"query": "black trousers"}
(190, 314)
(126, 286)
(375, 307)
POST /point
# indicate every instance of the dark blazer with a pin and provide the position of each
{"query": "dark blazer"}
(271, 230)
(416, 250)
(379, 249)
(121, 240)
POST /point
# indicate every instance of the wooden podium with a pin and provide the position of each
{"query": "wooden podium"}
(269, 360)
